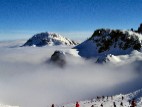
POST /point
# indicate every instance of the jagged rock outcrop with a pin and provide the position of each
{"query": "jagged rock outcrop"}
(58, 58)
(107, 41)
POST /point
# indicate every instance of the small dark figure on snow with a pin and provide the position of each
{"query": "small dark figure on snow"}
(92, 106)
(52, 105)
(122, 98)
(101, 105)
(114, 104)
(133, 103)
(121, 104)
(77, 104)
(98, 98)
(103, 97)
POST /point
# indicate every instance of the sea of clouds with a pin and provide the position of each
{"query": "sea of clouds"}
(27, 80)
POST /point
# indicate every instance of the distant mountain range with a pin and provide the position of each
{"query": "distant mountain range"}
(104, 44)
(50, 39)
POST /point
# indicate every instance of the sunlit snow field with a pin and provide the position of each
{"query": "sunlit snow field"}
(27, 80)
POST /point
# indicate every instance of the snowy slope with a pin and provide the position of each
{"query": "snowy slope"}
(107, 41)
(2, 105)
(50, 39)
(108, 101)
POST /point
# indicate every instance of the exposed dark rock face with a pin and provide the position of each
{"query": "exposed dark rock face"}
(106, 39)
(58, 58)
(102, 60)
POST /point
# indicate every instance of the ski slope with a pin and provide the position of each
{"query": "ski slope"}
(108, 101)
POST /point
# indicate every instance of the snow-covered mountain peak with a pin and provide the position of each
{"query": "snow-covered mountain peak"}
(109, 41)
(46, 38)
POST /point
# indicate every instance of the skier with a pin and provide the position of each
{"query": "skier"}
(101, 105)
(114, 104)
(77, 104)
(103, 97)
(92, 106)
(121, 104)
(133, 103)
(98, 98)
(122, 98)
(52, 105)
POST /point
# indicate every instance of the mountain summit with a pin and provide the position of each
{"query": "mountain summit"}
(108, 41)
(49, 39)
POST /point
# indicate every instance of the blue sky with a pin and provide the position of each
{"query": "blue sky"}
(72, 18)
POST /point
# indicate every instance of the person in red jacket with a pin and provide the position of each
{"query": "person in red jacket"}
(77, 104)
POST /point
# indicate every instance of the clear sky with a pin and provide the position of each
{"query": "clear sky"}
(72, 18)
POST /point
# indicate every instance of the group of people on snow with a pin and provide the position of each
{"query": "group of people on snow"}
(132, 102)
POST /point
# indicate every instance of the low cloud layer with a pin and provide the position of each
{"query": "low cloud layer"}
(27, 81)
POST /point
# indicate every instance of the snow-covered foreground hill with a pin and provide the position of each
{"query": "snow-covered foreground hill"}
(27, 80)
(108, 101)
